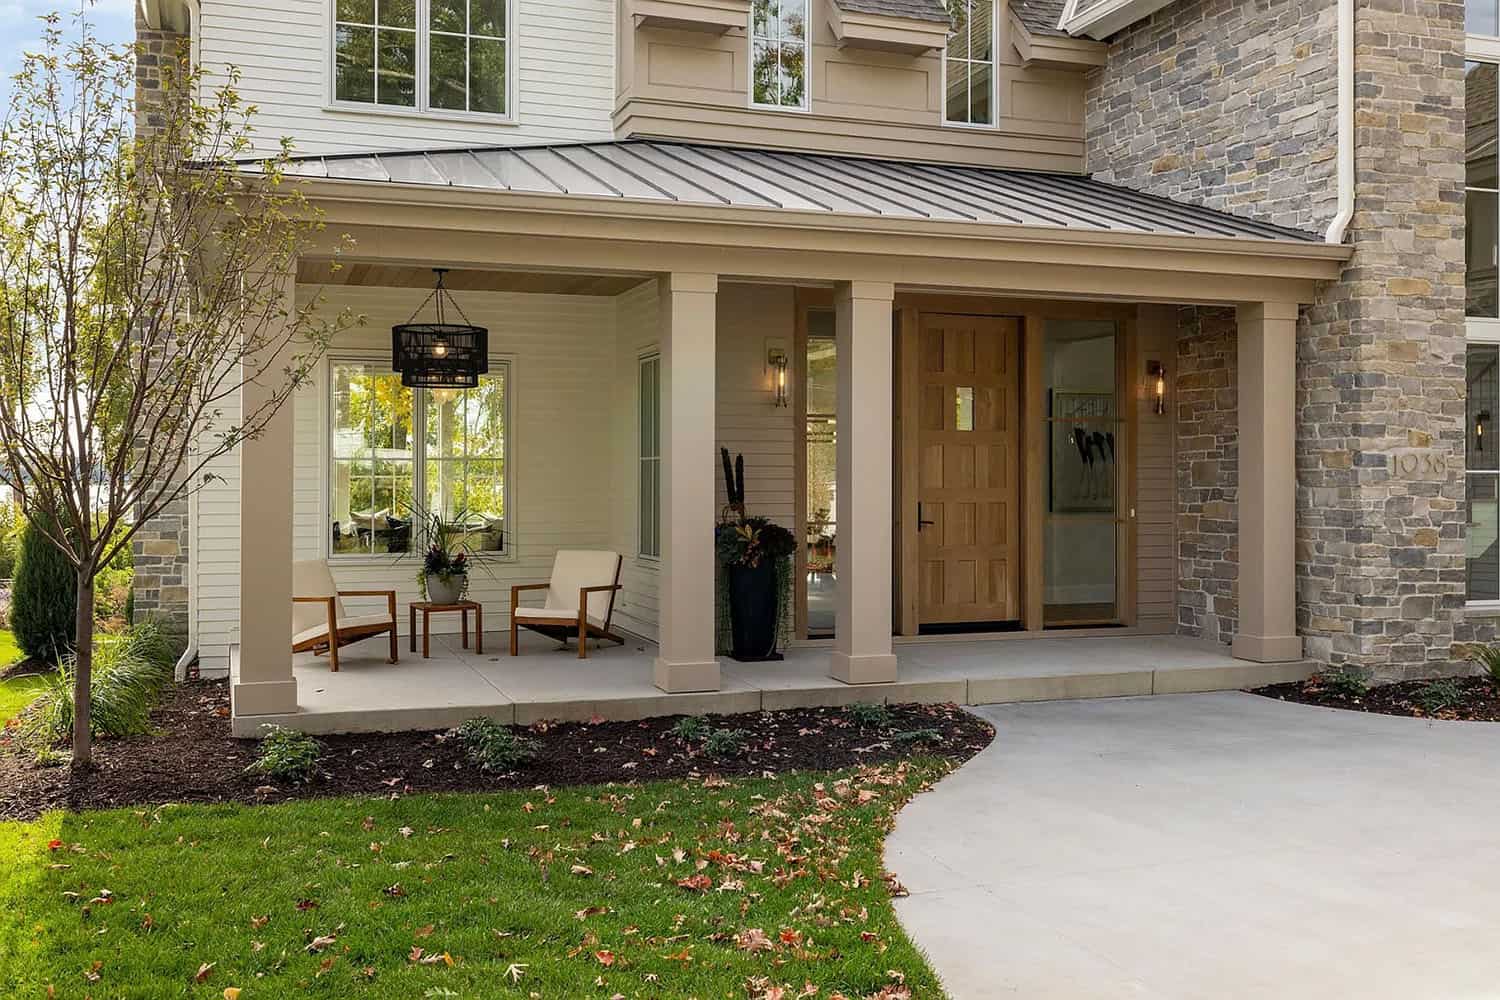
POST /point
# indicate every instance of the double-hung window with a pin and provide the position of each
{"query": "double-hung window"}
(1482, 306)
(779, 54)
(398, 457)
(969, 64)
(443, 55)
(649, 397)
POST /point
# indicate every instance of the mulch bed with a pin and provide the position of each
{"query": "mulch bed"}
(1476, 699)
(192, 758)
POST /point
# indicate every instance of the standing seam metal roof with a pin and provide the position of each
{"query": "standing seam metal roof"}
(648, 170)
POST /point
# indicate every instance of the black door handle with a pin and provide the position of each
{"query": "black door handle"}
(921, 523)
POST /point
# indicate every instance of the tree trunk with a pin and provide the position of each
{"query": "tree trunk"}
(83, 660)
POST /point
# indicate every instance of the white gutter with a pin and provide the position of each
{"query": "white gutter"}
(1340, 221)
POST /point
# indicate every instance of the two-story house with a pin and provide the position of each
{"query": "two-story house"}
(1097, 318)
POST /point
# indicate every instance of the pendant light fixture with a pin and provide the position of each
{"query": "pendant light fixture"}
(440, 354)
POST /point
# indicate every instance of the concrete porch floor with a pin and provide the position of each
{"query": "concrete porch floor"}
(615, 682)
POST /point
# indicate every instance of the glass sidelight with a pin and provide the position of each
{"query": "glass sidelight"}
(1086, 450)
(821, 443)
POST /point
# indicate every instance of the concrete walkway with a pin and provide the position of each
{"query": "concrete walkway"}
(1214, 846)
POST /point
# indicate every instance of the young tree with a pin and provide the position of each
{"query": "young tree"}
(143, 283)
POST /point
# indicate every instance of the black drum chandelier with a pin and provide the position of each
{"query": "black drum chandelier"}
(440, 355)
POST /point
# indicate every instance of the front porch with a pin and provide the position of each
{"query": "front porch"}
(546, 682)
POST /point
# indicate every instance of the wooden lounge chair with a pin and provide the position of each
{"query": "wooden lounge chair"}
(318, 614)
(580, 600)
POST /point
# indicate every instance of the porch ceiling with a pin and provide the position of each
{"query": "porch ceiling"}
(323, 272)
(645, 171)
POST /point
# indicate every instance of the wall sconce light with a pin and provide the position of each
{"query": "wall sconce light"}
(776, 360)
(1480, 419)
(1158, 371)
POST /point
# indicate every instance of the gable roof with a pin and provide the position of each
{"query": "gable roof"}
(921, 10)
(650, 171)
(1041, 17)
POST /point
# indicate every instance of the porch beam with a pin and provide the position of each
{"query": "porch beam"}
(263, 683)
(863, 623)
(686, 660)
(1267, 483)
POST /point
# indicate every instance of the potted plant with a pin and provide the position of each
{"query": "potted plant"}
(755, 553)
(445, 564)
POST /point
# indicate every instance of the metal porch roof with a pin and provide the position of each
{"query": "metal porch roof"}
(659, 171)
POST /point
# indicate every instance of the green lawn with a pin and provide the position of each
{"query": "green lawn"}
(670, 889)
(15, 692)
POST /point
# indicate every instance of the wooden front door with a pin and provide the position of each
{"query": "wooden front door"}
(968, 542)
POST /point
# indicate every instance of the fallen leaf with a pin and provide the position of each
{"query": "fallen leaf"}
(204, 971)
(514, 971)
(606, 958)
(231, 993)
(319, 943)
(582, 870)
(422, 932)
(753, 939)
(590, 911)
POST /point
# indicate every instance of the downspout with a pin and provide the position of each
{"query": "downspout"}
(1341, 221)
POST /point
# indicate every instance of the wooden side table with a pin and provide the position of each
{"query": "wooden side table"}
(428, 608)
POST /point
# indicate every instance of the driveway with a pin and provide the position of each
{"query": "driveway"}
(1214, 846)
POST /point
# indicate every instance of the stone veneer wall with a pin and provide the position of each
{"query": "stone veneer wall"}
(1207, 473)
(1232, 104)
(160, 549)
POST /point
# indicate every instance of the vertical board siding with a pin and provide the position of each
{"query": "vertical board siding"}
(564, 52)
(1156, 515)
(751, 319)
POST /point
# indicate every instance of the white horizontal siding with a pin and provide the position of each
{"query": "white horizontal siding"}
(563, 58)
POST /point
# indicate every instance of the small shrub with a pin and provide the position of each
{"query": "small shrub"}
(725, 743)
(1488, 658)
(918, 736)
(44, 598)
(129, 673)
(286, 755)
(1345, 682)
(495, 748)
(690, 728)
(867, 716)
(1440, 694)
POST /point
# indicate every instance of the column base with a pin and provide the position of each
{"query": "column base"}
(685, 678)
(248, 698)
(863, 668)
(1268, 648)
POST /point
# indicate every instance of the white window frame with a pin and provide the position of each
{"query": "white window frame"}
(807, 63)
(421, 109)
(419, 462)
(1479, 329)
(994, 65)
(647, 357)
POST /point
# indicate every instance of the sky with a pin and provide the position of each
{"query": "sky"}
(113, 20)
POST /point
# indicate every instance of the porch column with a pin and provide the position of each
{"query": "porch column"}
(263, 684)
(685, 660)
(862, 629)
(1268, 478)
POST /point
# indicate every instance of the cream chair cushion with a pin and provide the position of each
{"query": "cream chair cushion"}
(312, 578)
(320, 630)
(574, 569)
(554, 615)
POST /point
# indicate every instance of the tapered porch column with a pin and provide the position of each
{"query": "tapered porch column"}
(685, 660)
(862, 626)
(1268, 480)
(263, 683)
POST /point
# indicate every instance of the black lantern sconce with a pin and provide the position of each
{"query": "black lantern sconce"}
(1480, 419)
(1156, 370)
(776, 360)
(440, 354)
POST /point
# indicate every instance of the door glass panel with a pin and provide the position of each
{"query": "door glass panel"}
(963, 420)
(1085, 445)
(821, 369)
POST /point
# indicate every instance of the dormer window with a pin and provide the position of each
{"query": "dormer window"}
(440, 55)
(778, 54)
(969, 64)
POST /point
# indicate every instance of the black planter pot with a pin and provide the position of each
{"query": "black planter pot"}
(752, 611)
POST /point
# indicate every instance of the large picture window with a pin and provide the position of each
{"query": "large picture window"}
(445, 55)
(969, 64)
(1482, 299)
(778, 61)
(396, 454)
(650, 456)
